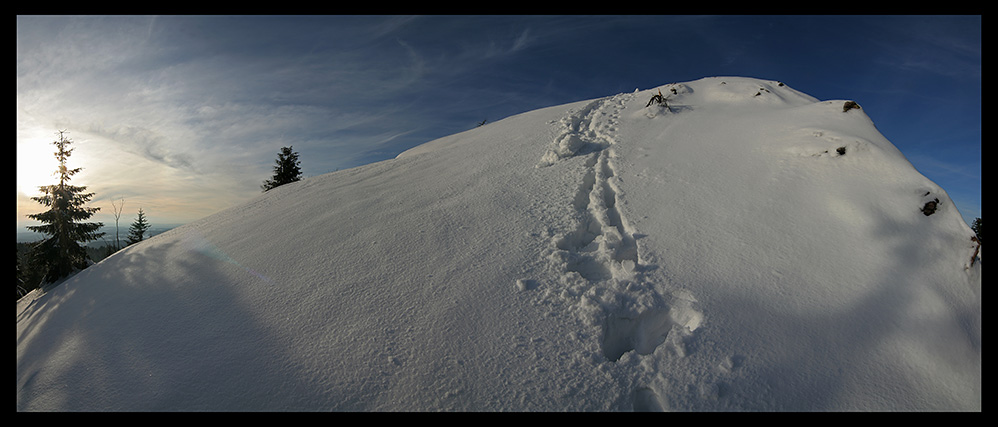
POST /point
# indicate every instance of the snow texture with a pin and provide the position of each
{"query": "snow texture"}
(741, 247)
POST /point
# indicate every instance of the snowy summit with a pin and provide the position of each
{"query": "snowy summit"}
(724, 244)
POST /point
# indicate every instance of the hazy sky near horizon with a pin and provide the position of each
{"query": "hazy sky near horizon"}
(183, 116)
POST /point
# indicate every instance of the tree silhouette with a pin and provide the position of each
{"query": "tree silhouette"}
(117, 216)
(138, 228)
(976, 226)
(286, 171)
(61, 253)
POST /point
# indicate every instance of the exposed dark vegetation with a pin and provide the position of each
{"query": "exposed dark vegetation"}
(286, 171)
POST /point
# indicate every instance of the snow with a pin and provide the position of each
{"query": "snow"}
(718, 254)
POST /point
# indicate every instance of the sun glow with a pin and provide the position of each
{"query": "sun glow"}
(36, 165)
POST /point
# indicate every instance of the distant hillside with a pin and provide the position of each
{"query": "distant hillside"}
(30, 236)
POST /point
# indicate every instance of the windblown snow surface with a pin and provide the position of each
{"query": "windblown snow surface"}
(743, 247)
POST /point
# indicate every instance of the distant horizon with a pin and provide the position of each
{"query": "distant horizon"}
(24, 233)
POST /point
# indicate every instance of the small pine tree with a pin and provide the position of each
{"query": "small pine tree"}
(138, 228)
(976, 226)
(286, 171)
(61, 252)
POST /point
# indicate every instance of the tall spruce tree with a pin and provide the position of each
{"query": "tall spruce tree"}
(286, 171)
(61, 253)
(138, 228)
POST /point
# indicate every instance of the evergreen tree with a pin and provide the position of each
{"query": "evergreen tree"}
(29, 274)
(25, 282)
(976, 226)
(61, 252)
(286, 171)
(138, 228)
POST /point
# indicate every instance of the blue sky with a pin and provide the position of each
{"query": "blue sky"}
(184, 115)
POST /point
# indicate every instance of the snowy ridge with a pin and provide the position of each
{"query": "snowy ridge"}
(741, 246)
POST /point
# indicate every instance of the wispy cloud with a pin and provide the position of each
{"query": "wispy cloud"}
(940, 168)
(416, 67)
(148, 144)
(197, 104)
(948, 46)
(522, 41)
(495, 48)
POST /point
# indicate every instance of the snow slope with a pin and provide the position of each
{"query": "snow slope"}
(746, 247)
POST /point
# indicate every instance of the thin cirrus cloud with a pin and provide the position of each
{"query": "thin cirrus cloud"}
(201, 102)
(201, 105)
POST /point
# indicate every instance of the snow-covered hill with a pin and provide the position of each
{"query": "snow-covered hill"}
(742, 247)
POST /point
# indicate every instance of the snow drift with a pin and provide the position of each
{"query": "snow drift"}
(739, 246)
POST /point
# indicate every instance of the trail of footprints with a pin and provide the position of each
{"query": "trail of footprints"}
(602, 248)
(603, 274)
(600, 243)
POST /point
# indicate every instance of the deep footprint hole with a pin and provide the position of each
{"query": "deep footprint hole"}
(642, 334)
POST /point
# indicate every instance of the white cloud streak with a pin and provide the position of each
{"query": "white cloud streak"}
(207, 101)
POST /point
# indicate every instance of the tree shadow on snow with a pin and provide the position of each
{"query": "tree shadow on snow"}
(156, 331)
